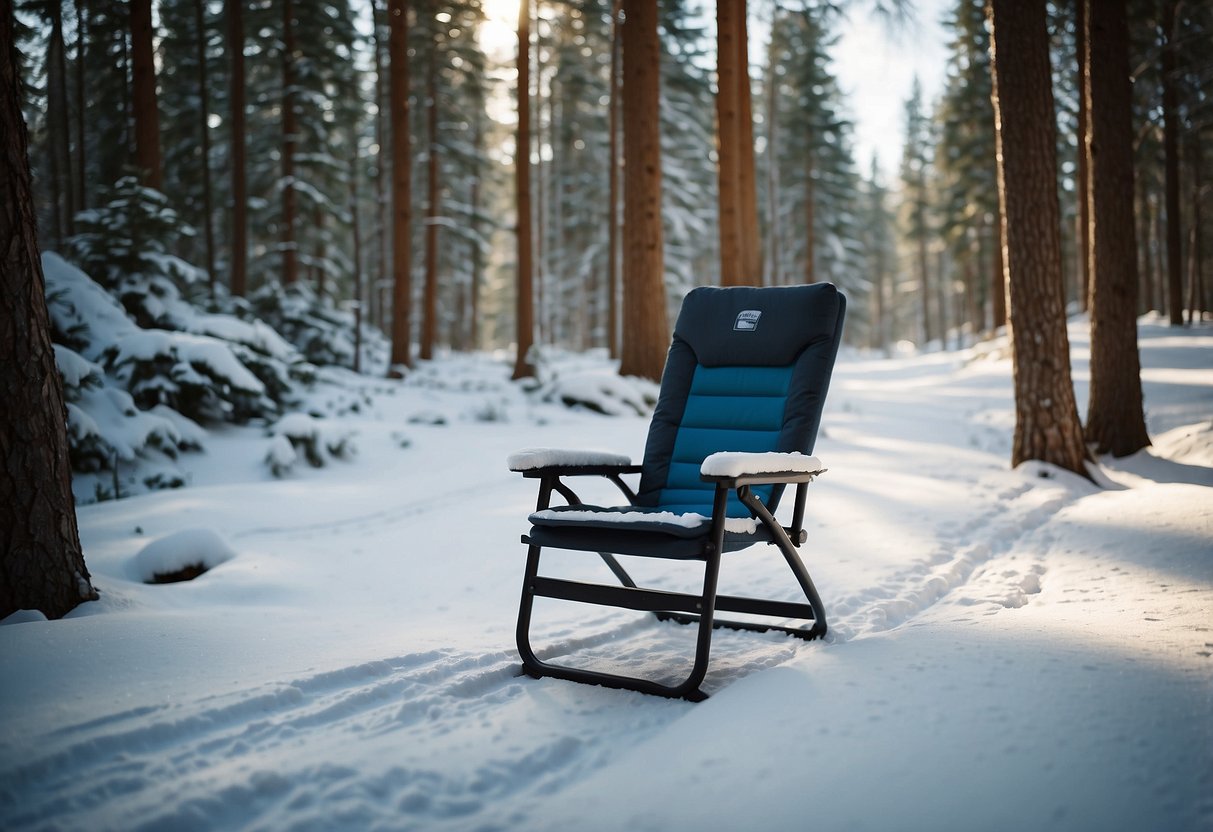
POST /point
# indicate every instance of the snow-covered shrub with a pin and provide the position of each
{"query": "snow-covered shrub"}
(280, 458)
(124, 245)
(590, 381)
(298, 434)
(196, 375)
(319, 329)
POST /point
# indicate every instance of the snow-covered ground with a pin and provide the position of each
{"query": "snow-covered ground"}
(1009, 650)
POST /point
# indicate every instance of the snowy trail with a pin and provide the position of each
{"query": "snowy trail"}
(353, 666)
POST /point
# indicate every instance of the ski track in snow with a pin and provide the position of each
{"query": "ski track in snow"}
(441, 739)
(144, 760)
(136, 756)
(957, 566)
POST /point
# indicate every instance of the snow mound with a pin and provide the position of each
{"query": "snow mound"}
(202, 549)
(1192, 444)
(23, 617)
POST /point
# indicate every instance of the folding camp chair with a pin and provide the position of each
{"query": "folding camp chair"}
(741, 398)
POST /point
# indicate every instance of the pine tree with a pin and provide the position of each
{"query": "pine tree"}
(645, 327)
(689, 199)
(819, 185)
(1115, 421)
(965, 165)
(143, 95)
(1046, 417)
(524, 320)
(401, 183)
(41, 562)
(740, 250)
(915, 172)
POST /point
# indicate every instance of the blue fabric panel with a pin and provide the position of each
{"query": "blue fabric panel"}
(733, 387)
(764, 413)
(741, 381)
(682, 501)
(695, 444)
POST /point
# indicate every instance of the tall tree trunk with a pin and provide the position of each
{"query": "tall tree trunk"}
(943, 296)
(429, 313)
(924, 268)
(402, 295)
(290, 135)
(239, 246)
(1146, 243)
(998, 283)
(1196, 283)
(735, 149)
(545, 305)
(356, 277)
(645, 327)
(1170, 144)
(41, 562)
(81, 149)
(320, 253)
(143, 95)
(60, 121)
(612, 322)
(774, 232)
(1046, 417)
(751, 234)
(810, 223)
(524, 302)
(378, 275)
(1083, 260)
(205, 131)
(1115, 421)
(473, 324)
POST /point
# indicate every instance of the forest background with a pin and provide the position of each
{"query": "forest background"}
(271, 189)
(916, 252)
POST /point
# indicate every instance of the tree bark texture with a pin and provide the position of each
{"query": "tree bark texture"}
(143, 93)
(398, 92)
(239, 246)
(205, 135)
(645, 327)
(290, 137)
(59, 126)
(1115, 422)
(612, 316)
(1083, 174)
(41, 563)
(429, 313)
(751, 233)
(1046, 417)
(998, 280)
(1197, 305)
(1170, 144)
(81, 152)
(739, 253)
(524, 311)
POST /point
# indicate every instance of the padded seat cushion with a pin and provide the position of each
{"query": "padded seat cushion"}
(632, 530)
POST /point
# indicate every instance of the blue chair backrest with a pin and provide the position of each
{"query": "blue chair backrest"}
(748, 370)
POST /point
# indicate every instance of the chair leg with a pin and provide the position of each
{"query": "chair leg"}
(688, 689)
(788, 549)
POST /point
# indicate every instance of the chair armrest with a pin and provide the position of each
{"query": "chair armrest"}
(735, 469)
(538, 462)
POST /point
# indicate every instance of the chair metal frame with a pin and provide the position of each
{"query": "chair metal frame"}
(683, 608)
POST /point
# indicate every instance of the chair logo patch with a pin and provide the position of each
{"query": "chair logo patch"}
(747, 320)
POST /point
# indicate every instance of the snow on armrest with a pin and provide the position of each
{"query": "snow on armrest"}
(737, 464)
(532, 458)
